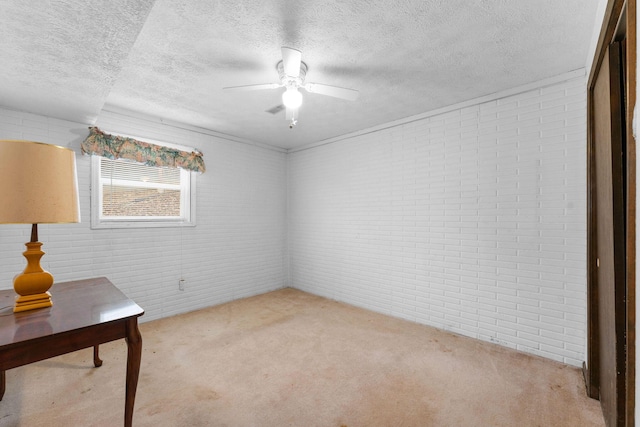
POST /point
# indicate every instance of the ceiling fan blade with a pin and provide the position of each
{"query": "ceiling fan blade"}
(291, 59)
(335, 91)
(276, 109)
(252, 87)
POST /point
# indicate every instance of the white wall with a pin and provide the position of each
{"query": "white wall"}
(597, 25)
(236, 249)
(471, 220)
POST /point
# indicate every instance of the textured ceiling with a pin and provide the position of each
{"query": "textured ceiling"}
(170, 59)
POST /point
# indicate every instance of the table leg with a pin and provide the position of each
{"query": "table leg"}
(134, 354)
(97, 362)
(2, 383)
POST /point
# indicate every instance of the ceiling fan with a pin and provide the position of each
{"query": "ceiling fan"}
(292, 72)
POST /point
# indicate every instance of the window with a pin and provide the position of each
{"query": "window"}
(141, 184)
(128, 194)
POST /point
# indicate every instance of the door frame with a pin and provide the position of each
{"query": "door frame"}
(620, 16)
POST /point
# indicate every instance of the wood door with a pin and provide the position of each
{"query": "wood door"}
(609, 210)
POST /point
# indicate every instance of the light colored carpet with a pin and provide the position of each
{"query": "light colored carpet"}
(288, 358)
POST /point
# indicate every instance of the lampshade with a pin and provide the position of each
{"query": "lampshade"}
(38, 183)
(291, 98)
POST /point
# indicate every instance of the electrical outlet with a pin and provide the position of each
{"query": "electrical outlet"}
(181, 283)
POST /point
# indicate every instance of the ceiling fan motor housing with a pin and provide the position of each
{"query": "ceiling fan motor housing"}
(294, 81)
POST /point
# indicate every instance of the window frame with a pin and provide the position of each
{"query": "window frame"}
(188, 207)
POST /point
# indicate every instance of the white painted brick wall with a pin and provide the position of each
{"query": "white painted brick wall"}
(236, 249)
(471, 220)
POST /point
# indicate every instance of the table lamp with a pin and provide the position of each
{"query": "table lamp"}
(38, 185)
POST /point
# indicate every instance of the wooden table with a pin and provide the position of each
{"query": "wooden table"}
(85, 313)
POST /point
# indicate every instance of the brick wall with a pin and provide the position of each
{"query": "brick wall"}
(236, 249)
(140, 202)
(472, 220)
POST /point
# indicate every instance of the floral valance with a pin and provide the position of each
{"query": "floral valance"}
(120, 147)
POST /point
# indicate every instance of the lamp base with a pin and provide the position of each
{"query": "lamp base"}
(31, 302)
(33, 283)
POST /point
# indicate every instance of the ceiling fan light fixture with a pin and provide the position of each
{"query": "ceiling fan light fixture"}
(292, 98)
